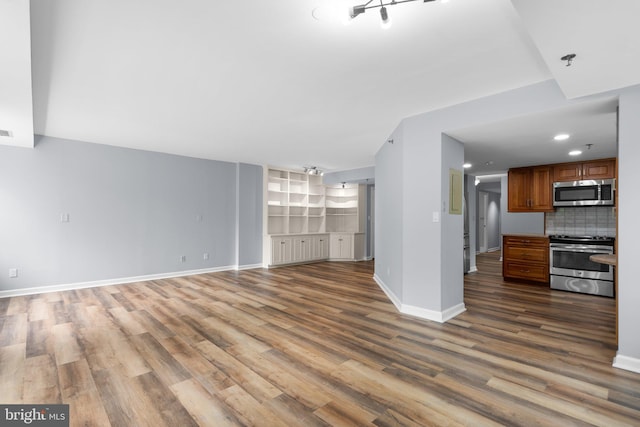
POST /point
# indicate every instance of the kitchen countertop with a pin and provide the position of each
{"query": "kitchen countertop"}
(605, 259)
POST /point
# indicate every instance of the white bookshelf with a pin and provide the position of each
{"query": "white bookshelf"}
(302, 216)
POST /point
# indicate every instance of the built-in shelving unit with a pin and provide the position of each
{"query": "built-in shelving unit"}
(295, 203)
(307, 221)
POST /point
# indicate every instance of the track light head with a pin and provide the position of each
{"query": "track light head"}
(386, 22)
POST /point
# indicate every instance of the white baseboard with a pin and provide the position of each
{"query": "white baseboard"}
(493, 249)
(627, 363)
(423, 313)
(473, 269)
(394, 299)
(249, 266)
(119, 281)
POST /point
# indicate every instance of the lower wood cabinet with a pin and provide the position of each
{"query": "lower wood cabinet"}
(525, 258)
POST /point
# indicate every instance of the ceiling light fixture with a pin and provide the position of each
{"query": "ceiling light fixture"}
(561, 137)
(313, 170)
(575, 153)
(384, 15)
(467, 165)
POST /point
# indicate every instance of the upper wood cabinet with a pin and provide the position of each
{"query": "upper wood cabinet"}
(530, 189)
(596, 169)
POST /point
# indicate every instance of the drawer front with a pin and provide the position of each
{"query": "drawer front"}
(526, 241)
(522, 270)
(526, 253)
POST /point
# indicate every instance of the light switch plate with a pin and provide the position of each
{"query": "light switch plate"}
(436, 216)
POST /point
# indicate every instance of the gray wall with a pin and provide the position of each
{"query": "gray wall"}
(410, 187)
(388, 225)
(472, 202)
(628, 227)
(249, 215)
(452, 227)
(131, 213)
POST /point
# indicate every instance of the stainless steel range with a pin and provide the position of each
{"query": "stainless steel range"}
(572, 270)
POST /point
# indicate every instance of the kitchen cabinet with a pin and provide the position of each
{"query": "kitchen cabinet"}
(525, 258)
(576, 171)
(530, 189)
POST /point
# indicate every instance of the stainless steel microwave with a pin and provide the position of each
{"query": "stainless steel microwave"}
(591, 192)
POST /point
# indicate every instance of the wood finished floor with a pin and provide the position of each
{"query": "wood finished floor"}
(314, 345)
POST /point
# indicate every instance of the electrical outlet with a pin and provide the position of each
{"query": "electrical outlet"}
(199, 218)
(205, 256)
(13, 272)
(183, 258)
(64, 217)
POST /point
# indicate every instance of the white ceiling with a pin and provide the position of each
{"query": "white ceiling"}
(265, 82)
(527, 141)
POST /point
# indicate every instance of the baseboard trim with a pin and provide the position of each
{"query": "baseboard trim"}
(249, 266)
(436, 316)
(392, 296)
(423, 313)
(119, 281)
(473, 269)
(627, 363)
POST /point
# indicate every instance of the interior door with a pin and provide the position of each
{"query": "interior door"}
(482, 220)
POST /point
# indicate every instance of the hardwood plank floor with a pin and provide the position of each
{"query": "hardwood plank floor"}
(315, 345)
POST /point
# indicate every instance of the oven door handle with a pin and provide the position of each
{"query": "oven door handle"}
(583, 249)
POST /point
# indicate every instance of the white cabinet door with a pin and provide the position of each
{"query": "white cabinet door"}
(301, 248)
(341, 246)
(322, 247)
(281, 250)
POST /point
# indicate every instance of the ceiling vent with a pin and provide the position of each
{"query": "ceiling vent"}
(6, 133)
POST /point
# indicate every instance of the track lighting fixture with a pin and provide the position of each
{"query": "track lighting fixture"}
(313, 170)
(384, 15)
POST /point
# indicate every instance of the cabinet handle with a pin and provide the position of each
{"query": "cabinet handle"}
(303, 241)
(282, 243)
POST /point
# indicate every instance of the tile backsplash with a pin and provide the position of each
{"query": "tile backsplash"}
(582, 221)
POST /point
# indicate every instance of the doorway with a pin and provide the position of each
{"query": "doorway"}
(483, 208)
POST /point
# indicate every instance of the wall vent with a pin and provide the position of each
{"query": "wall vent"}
(6, 133)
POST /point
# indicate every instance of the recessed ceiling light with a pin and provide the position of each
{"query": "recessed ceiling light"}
(575, 153)
(561, 137)
(467, 165)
